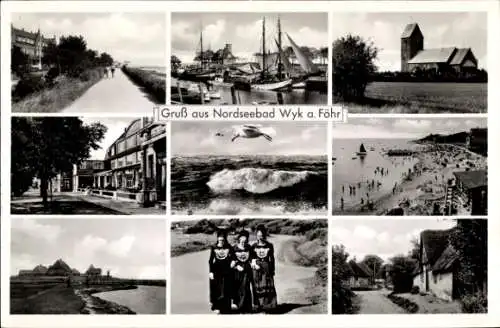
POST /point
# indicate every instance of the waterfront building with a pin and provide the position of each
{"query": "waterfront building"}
(31, 44)
(415, 57)
(136, 164)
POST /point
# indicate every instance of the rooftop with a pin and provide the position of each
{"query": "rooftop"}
(436, 55)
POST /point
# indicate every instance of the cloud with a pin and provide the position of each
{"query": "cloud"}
(153, 272)
(418, 125)
(35, 229)
(122, 246)
(364, 232)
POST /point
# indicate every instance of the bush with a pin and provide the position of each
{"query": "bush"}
(474, 304)
(27, 85)
(405, 303)
(153, 83)
(415, 290)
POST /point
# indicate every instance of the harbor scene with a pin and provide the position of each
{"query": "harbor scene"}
(394, 171)
(248, 58)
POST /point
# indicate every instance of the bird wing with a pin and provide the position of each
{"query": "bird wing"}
(252, 126)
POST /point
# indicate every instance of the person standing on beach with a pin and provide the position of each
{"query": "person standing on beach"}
(243, 275)
(220, 274)
(263, 266)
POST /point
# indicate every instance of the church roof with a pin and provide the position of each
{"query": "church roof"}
(409, 29)
(436, 55)
(459, 56)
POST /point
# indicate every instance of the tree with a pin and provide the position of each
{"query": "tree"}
(352, 66)
(470, 241)
(52, 145)
(19, 62)
(374, 262)
(341, 271)
(402, 273)
(415, 251)
(72, 54)
(324, 54)
(105, 59)
(51, 55)
(175, 63)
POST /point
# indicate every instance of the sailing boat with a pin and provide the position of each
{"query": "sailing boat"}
(362, 151)
(201, 73)
(268, 81)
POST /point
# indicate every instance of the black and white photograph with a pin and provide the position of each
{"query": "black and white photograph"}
(434, 166)
(76, 165)
(410, 62)
(87, 266)
(88, 62)
(429, 266)
(249, 58)
(235, 266)
(230, 168)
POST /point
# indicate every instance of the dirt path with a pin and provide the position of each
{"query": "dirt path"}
(376, 302)
(190, 289)
(114, 95)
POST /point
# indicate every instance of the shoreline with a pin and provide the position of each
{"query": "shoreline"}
(416, 189)
(96, 305)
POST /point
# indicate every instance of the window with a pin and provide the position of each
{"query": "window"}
(121, 146)
(131, 158)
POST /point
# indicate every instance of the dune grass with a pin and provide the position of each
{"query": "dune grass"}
(55, 99)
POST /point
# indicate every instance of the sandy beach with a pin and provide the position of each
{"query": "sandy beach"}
(423, 186)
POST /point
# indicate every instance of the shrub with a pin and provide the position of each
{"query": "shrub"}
(415, 290)
(474, 304)
(27, 85)
(405, 303)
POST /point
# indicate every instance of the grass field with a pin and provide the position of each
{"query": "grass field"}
(408, 97)
(44, 299)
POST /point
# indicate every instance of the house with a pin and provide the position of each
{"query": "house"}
(436, 272)
(93, 271)
(451, 59)
(362, 276)
(477, 141)
(471, 190)
(40, 270)
(59, 268)
(31, 44)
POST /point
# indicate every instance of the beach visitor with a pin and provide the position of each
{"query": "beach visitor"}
(112, 72)
(242, 273)
(220, 274)
(263, 266)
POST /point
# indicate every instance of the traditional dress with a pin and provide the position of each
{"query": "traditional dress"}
(221, 284)
(263, 276)
(242, 295)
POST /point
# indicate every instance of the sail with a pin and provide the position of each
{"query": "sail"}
(362, 149)
(284, 58)
(305, 62)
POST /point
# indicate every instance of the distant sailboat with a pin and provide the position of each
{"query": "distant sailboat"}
(362, 151)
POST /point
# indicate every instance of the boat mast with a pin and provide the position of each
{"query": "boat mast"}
(279, 49)
(201, 47)
(263, 45)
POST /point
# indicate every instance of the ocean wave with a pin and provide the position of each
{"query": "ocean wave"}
(255, 180)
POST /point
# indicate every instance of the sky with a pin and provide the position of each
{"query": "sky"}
(129, 248)
(137, 37)
(383, 237)
(289, 138)
(116, 126)
(391, 128)
(243, 31)
(463, 30)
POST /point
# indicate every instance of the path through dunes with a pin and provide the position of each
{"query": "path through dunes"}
(114, 95)
(190, 286)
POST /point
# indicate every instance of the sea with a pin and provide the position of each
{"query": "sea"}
(352, 170)
(296, 96)
(230, 185)
(159, 69)
(142, 300)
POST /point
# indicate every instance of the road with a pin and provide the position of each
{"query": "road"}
(113, 95)
(376, 302)
(190, 289)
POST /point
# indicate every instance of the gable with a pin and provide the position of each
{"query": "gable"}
(411, 30)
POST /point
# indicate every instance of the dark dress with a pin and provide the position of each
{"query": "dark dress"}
(221, 285)
(242, 295)
(263, 278)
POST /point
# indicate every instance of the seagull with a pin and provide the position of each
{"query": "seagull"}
(250, 132)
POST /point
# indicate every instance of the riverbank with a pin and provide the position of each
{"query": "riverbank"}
(57, 97)
(96, 305)
(418, 192)
(153, 82)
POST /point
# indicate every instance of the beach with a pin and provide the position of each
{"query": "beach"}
(418, 183)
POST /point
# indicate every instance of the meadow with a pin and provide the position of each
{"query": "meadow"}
(412, 98)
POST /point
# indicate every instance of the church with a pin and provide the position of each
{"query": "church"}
(451, 59)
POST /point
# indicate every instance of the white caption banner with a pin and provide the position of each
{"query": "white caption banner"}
(245, 113)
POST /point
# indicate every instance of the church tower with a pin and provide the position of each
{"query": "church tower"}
(412, 41)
